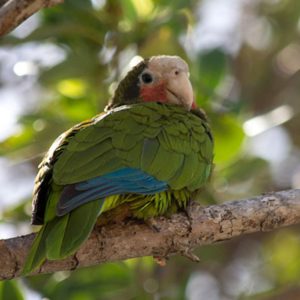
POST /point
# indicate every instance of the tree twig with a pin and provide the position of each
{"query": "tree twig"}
(14, 12)
(179, 234)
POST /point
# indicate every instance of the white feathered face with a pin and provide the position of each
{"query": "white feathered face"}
(166, 80)
(160, 78)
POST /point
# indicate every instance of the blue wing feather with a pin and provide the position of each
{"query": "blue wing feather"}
(122, 181)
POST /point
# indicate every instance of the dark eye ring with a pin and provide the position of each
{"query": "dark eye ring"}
(147, 78)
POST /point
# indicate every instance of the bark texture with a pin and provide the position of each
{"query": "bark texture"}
(179, 234)
(14, 12)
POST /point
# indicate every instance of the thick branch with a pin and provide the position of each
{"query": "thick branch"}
(179, 234)
(14, 12)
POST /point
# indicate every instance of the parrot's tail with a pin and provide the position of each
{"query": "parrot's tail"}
(62, 236)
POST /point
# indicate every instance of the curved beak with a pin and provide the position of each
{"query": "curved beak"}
(180, 91)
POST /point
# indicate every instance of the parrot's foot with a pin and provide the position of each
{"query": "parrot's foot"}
(154, 223)
(180, 249)
(190, 255)
(180, 242)
(184, 250)
(190, 209)
(182, 246)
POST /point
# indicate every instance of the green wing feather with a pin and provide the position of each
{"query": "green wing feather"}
(132, 139)
(165, 141)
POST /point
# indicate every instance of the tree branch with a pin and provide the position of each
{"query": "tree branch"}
(14, 12)
(179, 234)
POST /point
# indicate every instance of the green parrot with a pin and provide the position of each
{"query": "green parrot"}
(151, 149)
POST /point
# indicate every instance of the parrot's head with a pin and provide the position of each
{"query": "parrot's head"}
(161, 78)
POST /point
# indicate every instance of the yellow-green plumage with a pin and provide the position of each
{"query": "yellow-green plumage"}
(169, 147)
(147, 206)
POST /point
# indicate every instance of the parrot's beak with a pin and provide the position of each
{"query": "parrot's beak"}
(179, 90)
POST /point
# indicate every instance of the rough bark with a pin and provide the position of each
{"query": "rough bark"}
(14, 12)
(179, 234)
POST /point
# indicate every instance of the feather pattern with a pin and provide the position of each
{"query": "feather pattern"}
(126, 180)
(149, 155)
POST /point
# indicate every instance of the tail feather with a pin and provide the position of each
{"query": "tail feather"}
(73, 228)
(62, 236)
(37, 254)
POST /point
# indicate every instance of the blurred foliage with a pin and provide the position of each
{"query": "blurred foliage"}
(10, 290)
(253, 70)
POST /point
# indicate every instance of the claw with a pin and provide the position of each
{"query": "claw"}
(153, 224)
(190, 255)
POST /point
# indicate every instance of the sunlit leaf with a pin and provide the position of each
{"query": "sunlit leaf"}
(17, 141)
(74, 88)
(143, 8)
(283, 253)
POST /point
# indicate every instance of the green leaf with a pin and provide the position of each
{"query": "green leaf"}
(283, 254)
(129, 10)
(209, 71)
(10, 290)
(229, 136)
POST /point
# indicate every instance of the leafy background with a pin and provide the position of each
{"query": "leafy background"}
(61, 66)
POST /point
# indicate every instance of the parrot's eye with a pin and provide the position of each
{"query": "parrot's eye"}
(146, 78)
(176, 72)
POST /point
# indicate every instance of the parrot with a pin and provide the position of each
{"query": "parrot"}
(152, 148)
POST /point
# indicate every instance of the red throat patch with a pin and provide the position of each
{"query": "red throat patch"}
(154, 93)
